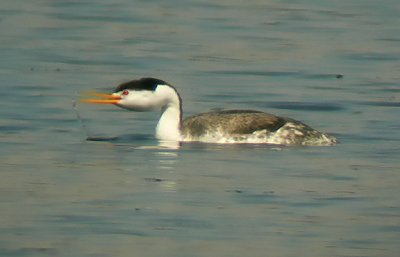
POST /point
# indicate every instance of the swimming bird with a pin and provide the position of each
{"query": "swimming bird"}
(226, 126)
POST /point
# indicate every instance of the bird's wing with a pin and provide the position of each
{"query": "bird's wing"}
(232, 122)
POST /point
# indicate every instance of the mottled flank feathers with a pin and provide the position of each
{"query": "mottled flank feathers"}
(247, 126)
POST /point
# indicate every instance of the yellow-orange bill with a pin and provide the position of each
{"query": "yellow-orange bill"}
(107, 96)
(109, 99)
(99, 101)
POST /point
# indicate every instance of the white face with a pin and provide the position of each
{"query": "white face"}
(139, 100)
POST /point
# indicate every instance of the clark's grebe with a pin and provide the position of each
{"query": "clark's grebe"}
(229, 126)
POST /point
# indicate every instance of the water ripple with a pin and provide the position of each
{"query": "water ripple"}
(300, 106)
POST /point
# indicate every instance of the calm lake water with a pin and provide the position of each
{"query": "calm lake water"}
(334, 65)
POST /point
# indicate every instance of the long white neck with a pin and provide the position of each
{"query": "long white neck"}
(169, 125)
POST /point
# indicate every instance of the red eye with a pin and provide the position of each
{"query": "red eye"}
(125, 92)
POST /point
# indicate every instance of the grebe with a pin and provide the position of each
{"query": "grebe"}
(228, 126)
